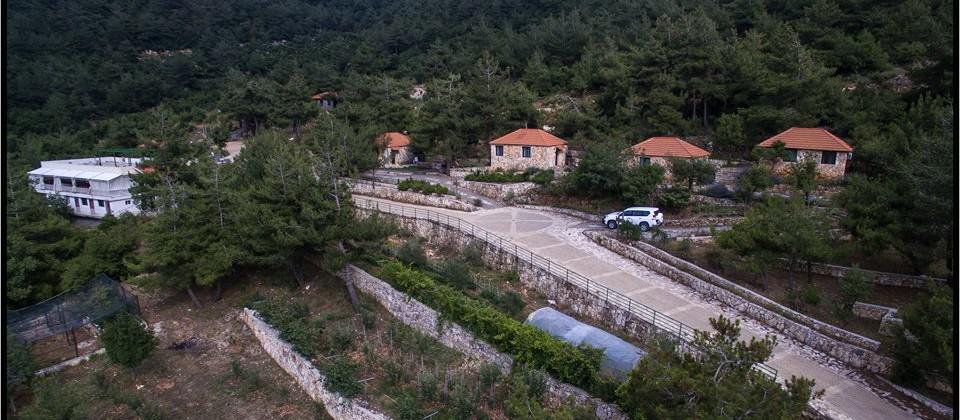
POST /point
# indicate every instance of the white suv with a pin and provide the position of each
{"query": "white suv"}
(644, 217)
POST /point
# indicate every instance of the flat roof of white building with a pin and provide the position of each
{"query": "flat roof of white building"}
(101, 169)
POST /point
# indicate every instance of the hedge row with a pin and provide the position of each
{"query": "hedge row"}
(422, 187)
(528, 345)
(538, 176)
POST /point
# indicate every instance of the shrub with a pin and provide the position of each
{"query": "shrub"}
(423, 187)
(629, 231)
(512, 303)
(489, 374)
(473, 253)
(717, 191)
(463, 400)
(810, 295)
(18, 362)
(853, 287)
(411, 252)
(576, 365)
(427, 384)
(543, 177)
(674, 198)
(925, 345)
(683, 248)
(457, 274)
(477, 202)
(127, 342)
(341, 376)
(393, 372)
(406, 407)
(497, 175)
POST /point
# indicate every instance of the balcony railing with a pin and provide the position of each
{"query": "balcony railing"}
(83, 190)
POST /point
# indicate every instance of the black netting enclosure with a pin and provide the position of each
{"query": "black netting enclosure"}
(99, 298)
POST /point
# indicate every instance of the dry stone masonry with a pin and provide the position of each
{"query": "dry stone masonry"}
(302, 371)
(390, 192)
(426, 320)
(848, 347)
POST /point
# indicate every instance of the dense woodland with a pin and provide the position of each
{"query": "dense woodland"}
(87, 75)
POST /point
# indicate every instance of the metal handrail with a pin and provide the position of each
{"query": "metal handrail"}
(653, 317)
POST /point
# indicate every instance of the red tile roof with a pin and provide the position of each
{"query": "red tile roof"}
(394, 140)
(322, 95)
(808, 139)
(668, 147)
(531, 137)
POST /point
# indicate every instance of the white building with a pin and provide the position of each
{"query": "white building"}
(93, 187)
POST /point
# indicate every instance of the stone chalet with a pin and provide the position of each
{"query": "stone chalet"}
(528, 147)
(829, 151)
(658, 151)
(326, 100)
(396, 149)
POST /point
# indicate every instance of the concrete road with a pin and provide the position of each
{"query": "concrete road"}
(560, 239)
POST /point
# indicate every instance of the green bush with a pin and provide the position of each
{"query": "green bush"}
(543, 177)
(411, 252)
(406, 407)
(854, 286)
(341, 376)
(126, 341)
(512, 303)
(457, 274)
(629, 231)
(489, 374)
(576, 365)
(538, 176)
(674, 198)
(428, 384)
(422, 187)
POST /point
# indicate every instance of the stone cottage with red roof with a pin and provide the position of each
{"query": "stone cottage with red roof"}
(658, 151)
(829, 151)
(528, 147)
(396, 149)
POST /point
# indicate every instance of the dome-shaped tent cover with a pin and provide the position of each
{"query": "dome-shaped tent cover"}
(619, 356)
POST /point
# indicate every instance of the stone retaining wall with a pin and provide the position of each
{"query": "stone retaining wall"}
(871, 311)
(843, 345)
(703, 221)
(426, 320)
(390, 192)
(302, 371)
(568, 297)
(459, 173)
(498, 191)
(876, 277)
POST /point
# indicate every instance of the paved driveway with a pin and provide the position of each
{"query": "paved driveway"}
(560, 239)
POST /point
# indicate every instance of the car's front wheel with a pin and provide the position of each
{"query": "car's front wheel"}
(644, 226)
(612, 224)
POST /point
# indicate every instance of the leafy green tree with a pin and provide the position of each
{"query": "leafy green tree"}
(778, 229)
(718, 382)
(600, 170)
(19, 366)
(107, 249)
(127, 342)
(854, 286)
(755, 179)
(640, 181)
(924, 346)
(803, 177)
(729, 136)
(692, 171)
(39, 239)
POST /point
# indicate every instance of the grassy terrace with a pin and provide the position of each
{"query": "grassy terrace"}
(397, 369)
